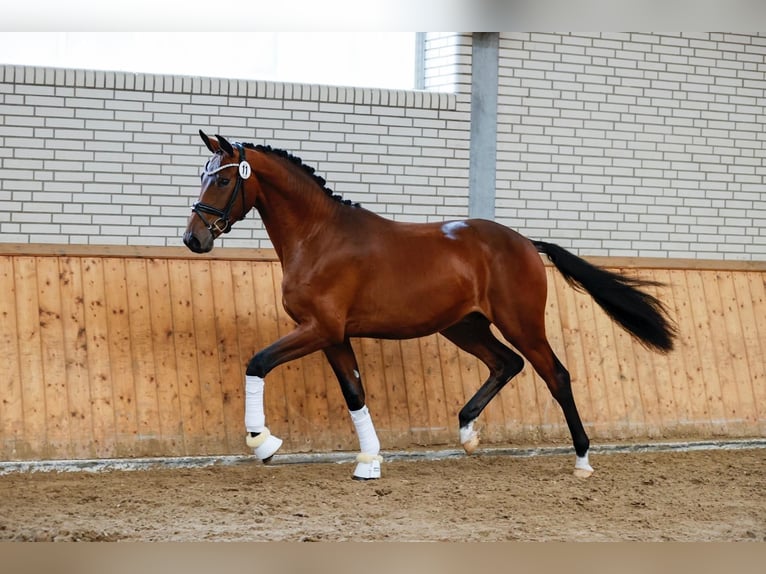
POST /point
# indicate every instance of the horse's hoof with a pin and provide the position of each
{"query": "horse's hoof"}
(469, 438)
(583, 469)
(367, 467)
(582, 472)
(471, 444)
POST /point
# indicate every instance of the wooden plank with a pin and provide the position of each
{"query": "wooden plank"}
(454, 398)
(752, 356)
(76, 357)
(738, 394)
(520, 407)
(757, 284)
(433, 382)
(264, 301)
(12, 435)
(614, 403)
(231, 362)
(398, 406)
(711, 403)
(163, 342)
(412, 368)
(31, 359)
(53, 356)
(586, 320)
(189, 392)
(120, 357)
(135, 252)
(678, 372)
(574, 358)
(149, 437)
(661, 381)
(340, 429)
(316, 413)
(624, 374)
(505, 415)
(688, 349)
(97, 333)
(208, 360)
(293, 391)
(249, 340)
(727, 389)
(369, 355)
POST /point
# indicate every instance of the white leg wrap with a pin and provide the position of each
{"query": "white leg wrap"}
(255, 419)
(365, 430)
(368, 461)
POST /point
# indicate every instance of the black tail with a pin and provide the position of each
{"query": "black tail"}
(639, 313)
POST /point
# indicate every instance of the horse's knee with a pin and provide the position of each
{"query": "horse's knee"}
(257, 366)
(353, 393)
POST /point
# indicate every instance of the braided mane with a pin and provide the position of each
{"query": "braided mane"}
(295, 160)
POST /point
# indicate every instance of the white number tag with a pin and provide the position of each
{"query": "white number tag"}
(244, 170)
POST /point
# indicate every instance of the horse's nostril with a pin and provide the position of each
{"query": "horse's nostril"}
(192, 242)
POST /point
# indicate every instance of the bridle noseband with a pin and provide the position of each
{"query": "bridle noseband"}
(222, 224)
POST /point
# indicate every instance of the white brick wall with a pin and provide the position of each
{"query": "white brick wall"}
(114, 158)
(448, 62)
(610, 144)
(635, 144)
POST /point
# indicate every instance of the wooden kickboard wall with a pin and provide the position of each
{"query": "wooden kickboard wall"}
(128, 352)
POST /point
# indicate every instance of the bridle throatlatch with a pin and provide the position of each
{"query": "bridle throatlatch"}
(222, 224)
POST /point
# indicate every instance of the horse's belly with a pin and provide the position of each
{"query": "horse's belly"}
(405, 313)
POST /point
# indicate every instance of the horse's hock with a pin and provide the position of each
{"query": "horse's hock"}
(139, 351)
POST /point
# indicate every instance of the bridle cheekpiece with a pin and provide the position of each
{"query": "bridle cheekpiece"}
(222, 224)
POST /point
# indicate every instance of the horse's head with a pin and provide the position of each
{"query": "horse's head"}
(222, 200)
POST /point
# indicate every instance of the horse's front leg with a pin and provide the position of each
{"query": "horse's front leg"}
(304, 340)
(344, 365)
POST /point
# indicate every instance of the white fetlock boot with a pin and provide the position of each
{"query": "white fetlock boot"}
(367, 466)
(264, 444)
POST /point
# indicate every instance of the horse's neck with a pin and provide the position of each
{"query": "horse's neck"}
(294, 214)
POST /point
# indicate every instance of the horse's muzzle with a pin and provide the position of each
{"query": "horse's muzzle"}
(192, 242)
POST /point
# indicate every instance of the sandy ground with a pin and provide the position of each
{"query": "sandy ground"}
(680, 496)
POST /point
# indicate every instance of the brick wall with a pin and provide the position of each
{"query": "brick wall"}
(114, 158)
(635, 144)
(610, 144)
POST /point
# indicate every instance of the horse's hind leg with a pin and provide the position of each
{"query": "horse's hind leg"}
(473, 335)
(343, 362)
(538, 352)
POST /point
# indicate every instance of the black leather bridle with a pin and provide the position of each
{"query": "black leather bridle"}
(222, 224)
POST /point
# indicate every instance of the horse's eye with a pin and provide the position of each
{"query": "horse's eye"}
(222, 182)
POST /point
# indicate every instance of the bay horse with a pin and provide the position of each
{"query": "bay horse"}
(348, 272)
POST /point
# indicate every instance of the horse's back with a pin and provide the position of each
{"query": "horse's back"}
(434, 274)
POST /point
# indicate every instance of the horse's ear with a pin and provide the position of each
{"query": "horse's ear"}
(225, 145)
(207, 141)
